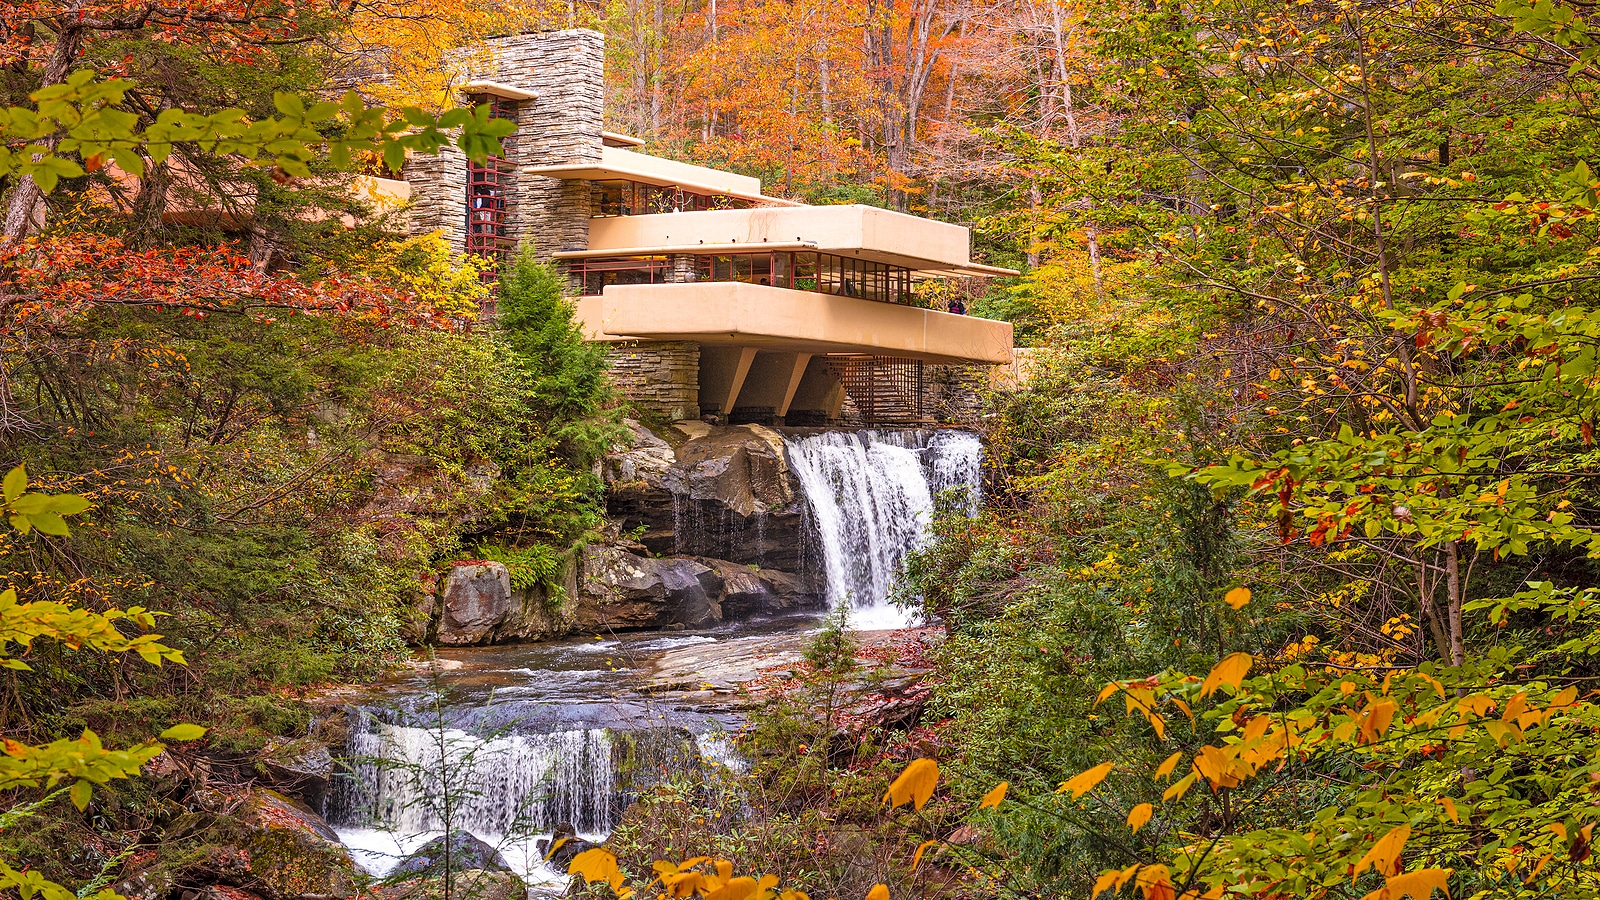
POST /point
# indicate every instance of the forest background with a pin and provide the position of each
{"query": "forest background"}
(1311, 286)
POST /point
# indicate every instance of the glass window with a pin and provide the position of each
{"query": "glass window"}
(805, 271)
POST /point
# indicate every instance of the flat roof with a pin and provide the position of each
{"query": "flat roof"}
(619, 164)
(497, 89)
(618, 139)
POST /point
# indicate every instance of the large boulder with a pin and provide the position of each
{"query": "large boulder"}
(624, 590)
(475, 597)
(299, 767)
(751, 591)
(287, 852)
(477, 604)
(466, 851)
(723, 492)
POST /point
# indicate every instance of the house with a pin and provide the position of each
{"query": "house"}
(715, 298)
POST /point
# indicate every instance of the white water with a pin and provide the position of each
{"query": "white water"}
(871, 495)
(509, 791)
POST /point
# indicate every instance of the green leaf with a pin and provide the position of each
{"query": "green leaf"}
(81, 791)
(29, 504)
(184, 732)
(68, 504)
(50, 523)
(16, 481)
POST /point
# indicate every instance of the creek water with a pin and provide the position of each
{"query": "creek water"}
(509, 743)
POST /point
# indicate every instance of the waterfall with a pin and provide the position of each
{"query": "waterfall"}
(871, 497)
(506, 790)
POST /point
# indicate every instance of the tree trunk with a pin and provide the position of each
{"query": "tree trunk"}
(25, 196)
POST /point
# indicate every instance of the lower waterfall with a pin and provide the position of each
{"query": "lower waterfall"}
(507, 790)
(871, 496)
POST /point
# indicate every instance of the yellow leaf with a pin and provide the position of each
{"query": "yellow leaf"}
(594, 865)
(557, 846)
(1237, 597)
(1385, 854)
(1139, 815)
(915, 784)
(1084, 782)
(1105, 692)
(1564, 699)
(994, 797)
(1420, 884)
(1106, 881)
(878, 892)
(1230, 671)
(916, 858)
(1450, 809)
(1166, 768)
(1375, 720)
(736, 889)
(1180, 787)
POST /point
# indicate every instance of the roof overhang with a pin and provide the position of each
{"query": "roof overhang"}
(497, 89)
(618, 139)
(761, 316)
(619, 164)
(686, 250)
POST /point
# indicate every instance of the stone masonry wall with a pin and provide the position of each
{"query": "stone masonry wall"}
(660, 376)
(562, 127)
(953, 392)
(439, 194)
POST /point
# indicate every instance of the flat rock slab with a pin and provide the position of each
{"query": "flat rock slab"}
(709, 671)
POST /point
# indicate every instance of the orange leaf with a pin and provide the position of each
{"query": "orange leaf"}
(1139, 815)
(1384, 856)
(1106, 881)
(1450, 809)
(915, 784)
(994, 797)
(1237, 597)
(1230, 671)
(1166, 768)
(916, 858)
(1180, 787)
(878, 892)
(1084, 782)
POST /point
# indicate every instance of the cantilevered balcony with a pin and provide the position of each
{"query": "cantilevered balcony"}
(773, 318)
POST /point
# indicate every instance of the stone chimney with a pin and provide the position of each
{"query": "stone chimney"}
(566, 69)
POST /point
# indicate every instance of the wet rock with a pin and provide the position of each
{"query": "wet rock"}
(749, 591)
(301, 768)
(625, 590)
(726, 493)
(288, 851)
(466, 851)
(564, 854)
(475, 598)
(478, 884)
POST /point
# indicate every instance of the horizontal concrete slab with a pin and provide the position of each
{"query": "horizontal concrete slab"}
(864, 232)
(754, 315)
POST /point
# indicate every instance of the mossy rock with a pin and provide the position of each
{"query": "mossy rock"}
(291, 851)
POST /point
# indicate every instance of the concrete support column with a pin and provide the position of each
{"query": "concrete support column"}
(797, 372)
(723, 370)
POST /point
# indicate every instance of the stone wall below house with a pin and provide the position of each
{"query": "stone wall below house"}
(954, 393)
(662, 377)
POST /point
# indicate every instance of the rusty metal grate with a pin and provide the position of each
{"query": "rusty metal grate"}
(886, 390)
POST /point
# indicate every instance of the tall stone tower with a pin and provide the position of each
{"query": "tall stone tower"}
(553, 84)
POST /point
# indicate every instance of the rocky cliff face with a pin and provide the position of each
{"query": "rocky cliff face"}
(725, 493)
(715, 531)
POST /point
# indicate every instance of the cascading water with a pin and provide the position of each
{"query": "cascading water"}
(871, 496)
(507, 790)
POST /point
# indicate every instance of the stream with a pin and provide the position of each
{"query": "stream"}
(510, 743)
